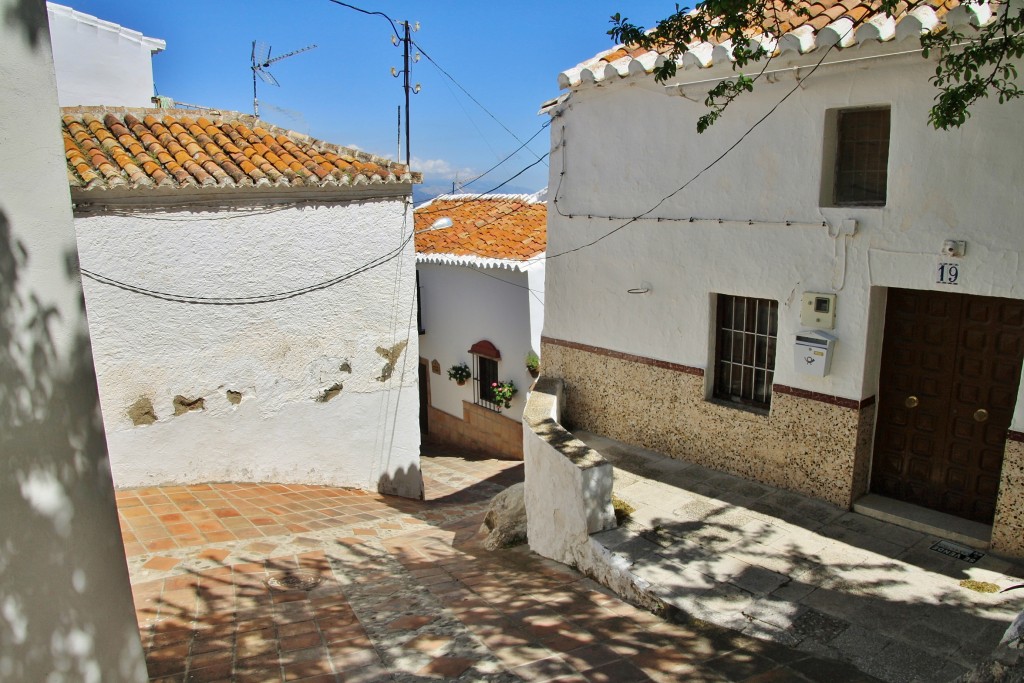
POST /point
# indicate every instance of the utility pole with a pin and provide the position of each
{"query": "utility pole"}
(406, 41)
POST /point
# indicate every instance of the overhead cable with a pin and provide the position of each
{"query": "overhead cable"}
(516, 151)
(469, 95)
(730, 148)
(255, 299)
(473, 198)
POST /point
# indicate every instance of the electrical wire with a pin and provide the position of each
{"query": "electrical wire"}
(516, 151)
(473, 198)
(699, 173)
(695, 219)
(365, 11)
(261, 298)
(468, 94)
(535, 293)
(443, 71)
(276, 296)
(84, 208)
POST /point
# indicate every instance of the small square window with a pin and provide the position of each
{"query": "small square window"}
(861, 157)
(745, 350)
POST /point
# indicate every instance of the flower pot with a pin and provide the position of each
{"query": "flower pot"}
(508, 404)
(460, 382)
(534, 372)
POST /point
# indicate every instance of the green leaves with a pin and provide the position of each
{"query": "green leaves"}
(974, 66)
(970, 66)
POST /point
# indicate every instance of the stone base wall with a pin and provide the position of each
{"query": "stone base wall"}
(1008, 527)
(811, 444)
(480, 429)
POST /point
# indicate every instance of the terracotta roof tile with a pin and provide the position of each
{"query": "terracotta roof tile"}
(624, 61)
(510, 227)
(137, 148)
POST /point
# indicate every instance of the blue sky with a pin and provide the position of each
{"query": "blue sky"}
(507, 55)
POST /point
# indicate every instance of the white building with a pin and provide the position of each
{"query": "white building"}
(481, 288)
(250, 293)
(66, 609)
(99, 62)
(844, 198)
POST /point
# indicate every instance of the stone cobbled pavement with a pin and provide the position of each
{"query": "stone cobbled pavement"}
(365, 587)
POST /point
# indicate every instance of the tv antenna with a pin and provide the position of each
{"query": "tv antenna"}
(261, 61)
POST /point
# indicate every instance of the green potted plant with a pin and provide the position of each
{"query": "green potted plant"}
(503, 392)
(459, 372)
(533, 364)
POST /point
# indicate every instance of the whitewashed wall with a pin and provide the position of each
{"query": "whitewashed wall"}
(66, 610)
(99, 62)
(535, 281)
(282, 356)
(464, 304)
(942, 185)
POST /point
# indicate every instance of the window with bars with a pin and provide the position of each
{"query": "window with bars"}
(485, 375)
(745, 350)
(862, 157)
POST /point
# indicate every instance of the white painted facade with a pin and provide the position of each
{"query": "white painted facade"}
(464, 300)
(66, 611)
(99, 62)
(284, 358)
(941, 185)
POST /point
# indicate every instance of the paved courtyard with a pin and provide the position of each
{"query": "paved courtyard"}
(776, 565)
(250, 582)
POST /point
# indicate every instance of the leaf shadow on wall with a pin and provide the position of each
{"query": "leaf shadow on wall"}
(62, 569)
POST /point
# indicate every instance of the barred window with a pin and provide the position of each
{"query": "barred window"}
(745, 350)
(862, 157)
(485, 373)
(486, 377)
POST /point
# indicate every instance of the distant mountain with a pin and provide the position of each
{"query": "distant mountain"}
(423, 193)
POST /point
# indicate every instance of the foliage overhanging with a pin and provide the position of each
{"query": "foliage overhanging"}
(970, 65)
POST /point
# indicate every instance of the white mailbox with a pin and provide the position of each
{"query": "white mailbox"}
(812, 353)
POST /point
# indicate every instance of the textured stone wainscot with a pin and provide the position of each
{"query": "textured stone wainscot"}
(809, 443)
(1008, 526)
(480, 429)
(568, 497)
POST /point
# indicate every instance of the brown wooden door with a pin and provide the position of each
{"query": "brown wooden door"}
(950, 369)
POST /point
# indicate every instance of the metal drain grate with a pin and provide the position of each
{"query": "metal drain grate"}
(294, 581)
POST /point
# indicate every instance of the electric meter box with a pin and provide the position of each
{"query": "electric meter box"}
(818, 311)
(813, 351)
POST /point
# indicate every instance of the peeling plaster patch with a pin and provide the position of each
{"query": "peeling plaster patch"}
(46, 496)
(391, 357)
(234, 397)
(329, 393)
(141, 412)
(184, 405)
(345, 366)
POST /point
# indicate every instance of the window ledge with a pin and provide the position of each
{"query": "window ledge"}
(853, 206)
(742, 407)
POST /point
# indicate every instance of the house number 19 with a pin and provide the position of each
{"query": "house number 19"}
(948, 274)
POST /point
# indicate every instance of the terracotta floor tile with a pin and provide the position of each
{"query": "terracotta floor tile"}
(215, 554)
(447, 667)
(161, 563)
(547, 627)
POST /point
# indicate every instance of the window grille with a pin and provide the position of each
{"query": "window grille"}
(745, 350)
(484, 376)
(862, 157)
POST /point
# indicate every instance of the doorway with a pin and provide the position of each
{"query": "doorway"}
(424, 383)
(948, 384)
